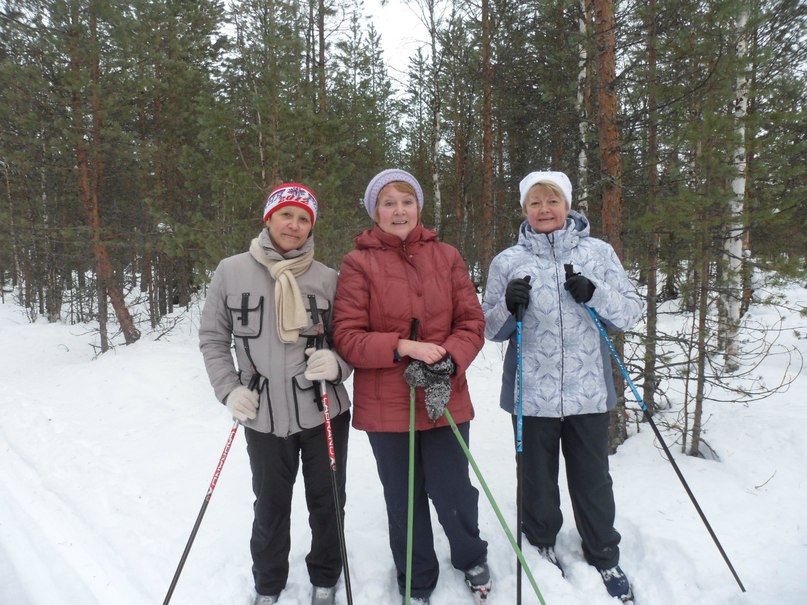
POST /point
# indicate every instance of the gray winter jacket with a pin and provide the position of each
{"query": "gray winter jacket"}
(566, 368)
(240, 308)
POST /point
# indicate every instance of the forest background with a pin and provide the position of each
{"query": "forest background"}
(138, 140)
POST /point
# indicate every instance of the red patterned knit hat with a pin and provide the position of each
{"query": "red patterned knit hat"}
(291, 194)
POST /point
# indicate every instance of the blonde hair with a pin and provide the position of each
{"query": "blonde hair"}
(551, 188)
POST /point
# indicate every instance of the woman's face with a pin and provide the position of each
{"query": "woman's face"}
(289, 227)
(397, 212)
(545, 210)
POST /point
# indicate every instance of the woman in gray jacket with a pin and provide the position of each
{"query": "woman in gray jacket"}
(567, 386)
(275, 303)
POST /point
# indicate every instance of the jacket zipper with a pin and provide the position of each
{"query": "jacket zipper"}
(560, 319)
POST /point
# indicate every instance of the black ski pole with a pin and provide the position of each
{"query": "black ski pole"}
(570, 272)
(326, 410)
(202, 511)
(519, 438)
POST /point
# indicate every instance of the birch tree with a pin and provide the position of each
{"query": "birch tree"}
(583, 105)
(732, 294)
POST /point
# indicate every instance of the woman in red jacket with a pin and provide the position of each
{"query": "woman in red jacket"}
(399, 272)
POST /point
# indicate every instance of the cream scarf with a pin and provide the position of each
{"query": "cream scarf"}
(290, 312)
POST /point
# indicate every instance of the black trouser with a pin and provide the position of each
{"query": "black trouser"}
(441, 473)
(274, 462)
(584, 441)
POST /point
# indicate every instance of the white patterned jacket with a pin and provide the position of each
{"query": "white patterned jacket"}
(566, 368)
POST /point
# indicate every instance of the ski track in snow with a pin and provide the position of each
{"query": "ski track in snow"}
(105, 464)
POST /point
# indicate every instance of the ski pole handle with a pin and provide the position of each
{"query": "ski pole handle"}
(520, 308)
(413, 331)
(316, 320)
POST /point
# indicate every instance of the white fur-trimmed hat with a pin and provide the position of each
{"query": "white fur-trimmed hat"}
(384, 178)
(559, 179)
(291, 194)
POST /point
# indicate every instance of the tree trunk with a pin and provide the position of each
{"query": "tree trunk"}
(583, 105)
(487, 138)
(649, 390)
(611, 173)
(500, 227)
(733, 249)
(610, 161)
(558, 141)
(703, 312)
(90, 168)
(321, 71)
(436, 109)
(15, 254)
(751, 154)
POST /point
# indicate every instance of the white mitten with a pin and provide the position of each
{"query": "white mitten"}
(243, 403)
(322, 365)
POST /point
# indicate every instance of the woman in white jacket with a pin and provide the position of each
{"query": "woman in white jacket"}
(567, 385)
(274, 303)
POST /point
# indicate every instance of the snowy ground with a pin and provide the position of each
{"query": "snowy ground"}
(106, 461)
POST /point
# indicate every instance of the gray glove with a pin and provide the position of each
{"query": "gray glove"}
(436, 379)
(242, 403)
(321, 365)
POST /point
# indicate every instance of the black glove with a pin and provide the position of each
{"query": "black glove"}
(517, 294)
(580, 288)
(436, 378)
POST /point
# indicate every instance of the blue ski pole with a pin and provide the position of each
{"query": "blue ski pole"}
(607, 339)
(519, 437)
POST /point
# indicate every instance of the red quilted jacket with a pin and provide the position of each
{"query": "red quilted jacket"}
(384, 283)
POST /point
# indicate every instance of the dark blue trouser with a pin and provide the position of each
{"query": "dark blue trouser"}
(584, 442)
(441, 474)
(274, 462)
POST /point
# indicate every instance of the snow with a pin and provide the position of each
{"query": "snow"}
(106, 461)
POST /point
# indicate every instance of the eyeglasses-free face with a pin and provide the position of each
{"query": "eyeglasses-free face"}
(397, 212)
(545, 210)
(289, 227)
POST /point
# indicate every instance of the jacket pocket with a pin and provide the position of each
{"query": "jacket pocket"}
(246, 314)
(323, 308)
(308, 404)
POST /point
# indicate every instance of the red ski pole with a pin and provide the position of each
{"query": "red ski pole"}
(322, 388)
(202, 511)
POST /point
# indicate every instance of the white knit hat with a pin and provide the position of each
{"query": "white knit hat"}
(559, 179)
(291, 194)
